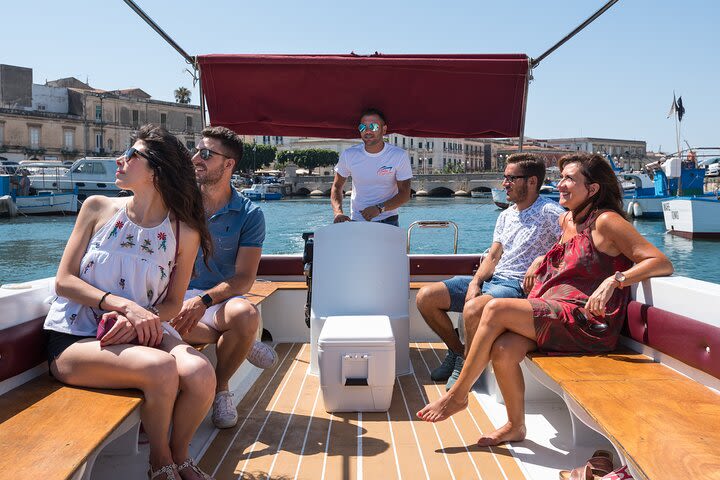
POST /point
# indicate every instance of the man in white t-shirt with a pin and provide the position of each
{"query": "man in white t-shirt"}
(380, 173)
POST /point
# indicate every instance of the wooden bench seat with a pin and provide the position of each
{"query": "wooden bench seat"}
(51, 431)
(664, 424)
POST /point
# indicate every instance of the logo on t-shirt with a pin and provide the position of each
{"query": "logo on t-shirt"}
(384, 170)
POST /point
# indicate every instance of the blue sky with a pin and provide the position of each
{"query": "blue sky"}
(615, 79)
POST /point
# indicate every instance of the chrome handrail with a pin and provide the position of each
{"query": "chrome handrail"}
(433, 224)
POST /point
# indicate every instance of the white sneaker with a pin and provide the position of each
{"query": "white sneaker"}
(224, 412)
(262, 355)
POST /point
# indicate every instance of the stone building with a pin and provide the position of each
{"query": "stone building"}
(66, 119)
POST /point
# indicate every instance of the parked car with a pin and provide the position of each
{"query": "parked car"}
(711, 166)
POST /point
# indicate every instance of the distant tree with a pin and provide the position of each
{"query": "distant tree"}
(256, 156)
(182, 95)
(310, 158)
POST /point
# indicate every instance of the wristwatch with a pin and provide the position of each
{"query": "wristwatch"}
(207, 300)
(381, 207)
(620, 278)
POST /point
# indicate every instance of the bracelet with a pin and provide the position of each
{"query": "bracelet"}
(102, 299)
(153, 309)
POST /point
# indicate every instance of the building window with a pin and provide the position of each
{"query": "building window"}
(188, 123)
(98, 141)
(163, 120)
(98, 112)
(430, 161)
(110, 145)
(412, 159)
(403, 142)
(411, 143)
(41, 107)
(2, 133)
(34, 137)
(69, 139)
(135, 118)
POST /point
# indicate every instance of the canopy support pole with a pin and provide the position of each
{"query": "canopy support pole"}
(192, 61)
(521, 140)
(536, 61)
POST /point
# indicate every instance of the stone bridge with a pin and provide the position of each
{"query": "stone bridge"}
(434, 185)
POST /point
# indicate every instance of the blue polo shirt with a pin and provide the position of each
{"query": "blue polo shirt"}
(240, 223)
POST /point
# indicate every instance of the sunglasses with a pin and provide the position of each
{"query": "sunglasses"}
(206, 153)
(512, 178)
(132, 151)
(374, 127)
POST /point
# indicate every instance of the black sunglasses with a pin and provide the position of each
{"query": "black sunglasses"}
(512, 178)
(206, 153)
(132, 151)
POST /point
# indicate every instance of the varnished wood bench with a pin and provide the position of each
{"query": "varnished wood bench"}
(664, 424)
(52, 431)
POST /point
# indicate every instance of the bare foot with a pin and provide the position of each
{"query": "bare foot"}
(506, 433)
(443, 408)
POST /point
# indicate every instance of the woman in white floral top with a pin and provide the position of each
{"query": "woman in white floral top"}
(124, 263)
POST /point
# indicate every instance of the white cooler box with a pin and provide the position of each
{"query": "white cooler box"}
(356, 358)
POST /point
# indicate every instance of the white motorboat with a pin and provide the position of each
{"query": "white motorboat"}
(87, 176)
(263, 191)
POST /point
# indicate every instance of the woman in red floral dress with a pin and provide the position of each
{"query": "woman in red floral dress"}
(578, 297)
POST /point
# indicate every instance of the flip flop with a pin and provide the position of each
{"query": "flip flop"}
(597, 466)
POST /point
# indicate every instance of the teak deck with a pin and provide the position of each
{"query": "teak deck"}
(284, 431)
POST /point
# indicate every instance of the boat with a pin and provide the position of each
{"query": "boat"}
(47, 203)
(480, 194)
(693, 217)
(499, 198)
(86, 176)
(263, 191)
(39, 202)
(285, 430)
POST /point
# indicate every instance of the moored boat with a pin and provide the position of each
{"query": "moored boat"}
(263, 191)
(692, 217)
(87, 176)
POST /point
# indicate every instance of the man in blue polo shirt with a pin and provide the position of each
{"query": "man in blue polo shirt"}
(215, 310)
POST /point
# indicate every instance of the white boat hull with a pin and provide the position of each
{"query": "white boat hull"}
(47, 204)
(692, 217)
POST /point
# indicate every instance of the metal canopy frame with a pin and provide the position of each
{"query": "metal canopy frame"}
(532, 63)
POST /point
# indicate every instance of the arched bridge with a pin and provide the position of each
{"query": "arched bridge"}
(436, 185)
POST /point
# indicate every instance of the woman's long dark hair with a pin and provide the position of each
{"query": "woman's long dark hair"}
(175, 180)
(596, 169)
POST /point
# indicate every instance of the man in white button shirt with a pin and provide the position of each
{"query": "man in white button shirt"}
(522, 233)
(380, 173)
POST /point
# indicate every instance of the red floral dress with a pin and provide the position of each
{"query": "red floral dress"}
(567, 277)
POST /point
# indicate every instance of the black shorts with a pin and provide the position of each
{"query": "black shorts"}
(57, 342)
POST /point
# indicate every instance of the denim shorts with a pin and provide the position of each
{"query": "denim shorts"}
(496, 287)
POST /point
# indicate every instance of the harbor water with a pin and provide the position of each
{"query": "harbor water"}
(31, 247)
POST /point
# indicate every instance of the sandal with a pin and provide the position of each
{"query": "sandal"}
(190, 463)
(168, 470)
(597, 466)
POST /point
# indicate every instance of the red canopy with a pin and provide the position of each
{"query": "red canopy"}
(470, 96)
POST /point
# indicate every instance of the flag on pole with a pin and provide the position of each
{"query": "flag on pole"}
(680, 109)
(673, 107)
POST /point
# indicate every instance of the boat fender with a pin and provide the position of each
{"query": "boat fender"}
(637, 209)
(629, 209)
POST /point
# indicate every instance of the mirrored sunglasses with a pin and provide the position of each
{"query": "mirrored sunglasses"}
(374, 127)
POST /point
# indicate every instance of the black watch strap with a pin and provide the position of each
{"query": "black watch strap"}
(206, 299)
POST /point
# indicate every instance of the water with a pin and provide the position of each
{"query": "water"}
(32, 246)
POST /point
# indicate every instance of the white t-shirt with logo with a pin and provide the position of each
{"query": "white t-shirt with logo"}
(374, 176)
